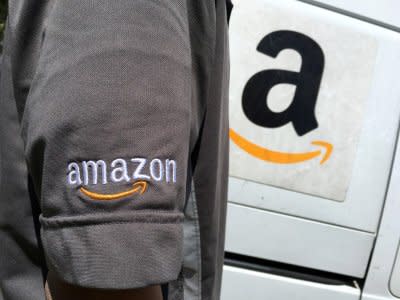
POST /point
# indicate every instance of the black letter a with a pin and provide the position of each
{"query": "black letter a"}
(301, 110)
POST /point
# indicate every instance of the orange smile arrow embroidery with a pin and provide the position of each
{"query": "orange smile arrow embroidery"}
(280, 157)
(138, 187)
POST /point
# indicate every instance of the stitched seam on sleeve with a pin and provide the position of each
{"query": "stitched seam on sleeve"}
(55, 226)
(58, 222)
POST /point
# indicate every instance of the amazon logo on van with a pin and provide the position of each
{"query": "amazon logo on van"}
(300, 113)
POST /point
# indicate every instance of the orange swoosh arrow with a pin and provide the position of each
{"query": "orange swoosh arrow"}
(138, 187)
(280, 157)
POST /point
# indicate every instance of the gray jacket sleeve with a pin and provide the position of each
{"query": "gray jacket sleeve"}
(106, 129)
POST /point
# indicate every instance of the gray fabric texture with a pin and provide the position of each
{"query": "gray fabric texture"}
(21, 258)
(211, 172)
(191, 270)
(115, 82)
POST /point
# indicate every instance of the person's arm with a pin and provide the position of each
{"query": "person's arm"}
(106, 128)
(60, 290)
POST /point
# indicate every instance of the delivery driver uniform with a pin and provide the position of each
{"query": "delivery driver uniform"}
(114, 139)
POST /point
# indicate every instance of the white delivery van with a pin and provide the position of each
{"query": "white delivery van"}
(314, 191)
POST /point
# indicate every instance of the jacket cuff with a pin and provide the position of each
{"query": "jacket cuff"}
(131, 252)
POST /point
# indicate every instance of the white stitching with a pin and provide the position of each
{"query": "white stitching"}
(123, 170)
(161, 169)
(94, 167)
(119, 170)
(73, 169)
(137, 173)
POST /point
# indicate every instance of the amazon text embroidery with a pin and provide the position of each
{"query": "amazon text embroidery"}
(138, 168)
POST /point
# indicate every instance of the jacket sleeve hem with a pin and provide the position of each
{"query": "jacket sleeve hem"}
(119, 254)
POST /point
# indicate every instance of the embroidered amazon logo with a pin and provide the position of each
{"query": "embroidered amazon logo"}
(301, 111)
(138, 170)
